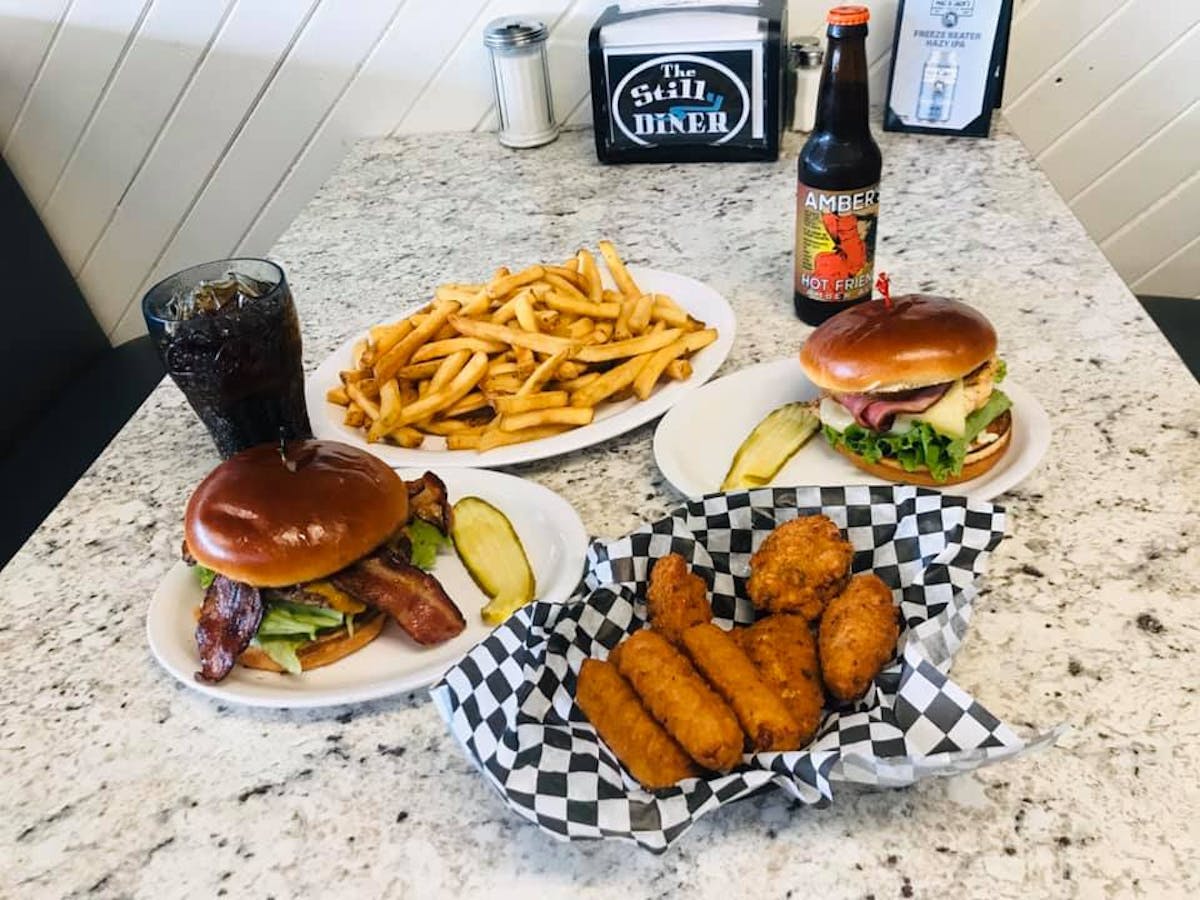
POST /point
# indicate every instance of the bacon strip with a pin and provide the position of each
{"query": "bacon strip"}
(229, 619)
(413, 598)
(878, 411)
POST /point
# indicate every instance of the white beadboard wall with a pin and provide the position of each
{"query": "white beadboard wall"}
(151, 134)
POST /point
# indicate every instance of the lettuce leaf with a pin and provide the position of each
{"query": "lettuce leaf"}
(426, 542)
(205, 575)
(921, 445)
(1001, 371)
(283, 652)
(292, 620)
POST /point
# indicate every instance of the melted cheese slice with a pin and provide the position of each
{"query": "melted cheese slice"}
(948, 416)
(835, 415)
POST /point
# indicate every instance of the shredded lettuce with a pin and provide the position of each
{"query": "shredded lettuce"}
(921, 445)
(426, 542)
(205, 575)
(1001, 371)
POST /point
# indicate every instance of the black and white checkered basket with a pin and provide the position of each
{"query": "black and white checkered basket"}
(509, 702)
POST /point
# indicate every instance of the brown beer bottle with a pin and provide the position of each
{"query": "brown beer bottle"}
(837, 200)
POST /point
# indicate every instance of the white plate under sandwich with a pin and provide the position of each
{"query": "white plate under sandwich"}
(612, 419)
(695, 442)
(555, 542)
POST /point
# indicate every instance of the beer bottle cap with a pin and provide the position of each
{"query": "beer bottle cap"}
(848, 15)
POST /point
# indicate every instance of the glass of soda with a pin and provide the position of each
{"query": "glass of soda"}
(228, 334)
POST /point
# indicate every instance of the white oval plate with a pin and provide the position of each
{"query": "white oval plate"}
(554, 539)
(612, 419)
(696, 440)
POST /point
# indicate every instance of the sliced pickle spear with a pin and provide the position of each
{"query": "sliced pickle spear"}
(490, 549)
(772, 443)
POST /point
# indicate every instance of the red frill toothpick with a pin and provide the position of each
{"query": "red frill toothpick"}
(884, 286)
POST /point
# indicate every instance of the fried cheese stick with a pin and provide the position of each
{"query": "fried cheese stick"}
(677, 598)
(681, 701)
(858, 636)
(759, 708)
(784, 651)
(643, 747)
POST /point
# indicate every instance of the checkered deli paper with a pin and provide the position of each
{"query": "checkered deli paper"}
(510, 701)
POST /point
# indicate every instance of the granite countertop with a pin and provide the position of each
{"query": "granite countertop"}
(118, 781)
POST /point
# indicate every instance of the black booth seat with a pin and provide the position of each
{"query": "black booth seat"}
(64, 391)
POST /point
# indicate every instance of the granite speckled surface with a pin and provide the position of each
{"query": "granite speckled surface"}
(117, 781)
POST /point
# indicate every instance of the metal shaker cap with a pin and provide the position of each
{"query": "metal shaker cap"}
(513, 31)
(805, 52)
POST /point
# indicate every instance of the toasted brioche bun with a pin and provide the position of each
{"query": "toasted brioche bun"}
(270, 523)
(976, 463)
(922, 340)
(325, 649)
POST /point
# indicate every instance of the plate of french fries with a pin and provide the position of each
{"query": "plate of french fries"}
(531, 363)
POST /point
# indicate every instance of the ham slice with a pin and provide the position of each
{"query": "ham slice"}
(878, 411)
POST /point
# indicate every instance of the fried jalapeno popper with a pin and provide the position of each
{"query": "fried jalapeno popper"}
(675, 694)
(759, 708)
(640, 743)
(800, 566)
(677, 598)
(858, 636)
(784, 651)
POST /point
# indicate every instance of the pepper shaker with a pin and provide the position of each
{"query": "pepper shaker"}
(521, 79)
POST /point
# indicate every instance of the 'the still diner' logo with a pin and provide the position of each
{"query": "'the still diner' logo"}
(680, 98)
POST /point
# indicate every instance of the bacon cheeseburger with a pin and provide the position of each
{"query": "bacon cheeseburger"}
(909, 391)
(306, 551)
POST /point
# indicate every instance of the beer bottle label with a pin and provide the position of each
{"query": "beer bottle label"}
(835, 242)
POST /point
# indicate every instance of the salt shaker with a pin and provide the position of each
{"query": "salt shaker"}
(521, 78)
(805, 58)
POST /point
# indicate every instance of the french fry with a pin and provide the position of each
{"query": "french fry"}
(566, 415)
(674, 317)
(479, 303)
(389, 411)
(338, 395)
(445, 427)
(522, 403)
(593, 353)
(639, 318)
(494, 437)
(610, 382)
(523, 306)
(402, 353)
(385, 337)
(473, 402)
(365, 403)
(351, 376)
(438, 349)
(488, 331)
(566, 287)
(561, 276)
(418, 371)
(547, 319)
(568, 370)
(502, 384)
(574, 384)
(463, 383)
(678, 370)
(689, 343)
(621, 330)
(466, 441)
(601, 333)
(357, 353)
(450, 367)
(452, 292)
(526, 361)
(543, 373)
(591, 275)
(405, 437)
(504, 285)
(580, 328)
(506, 312)
(569, 304)
(354, 417)
(622, 278)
